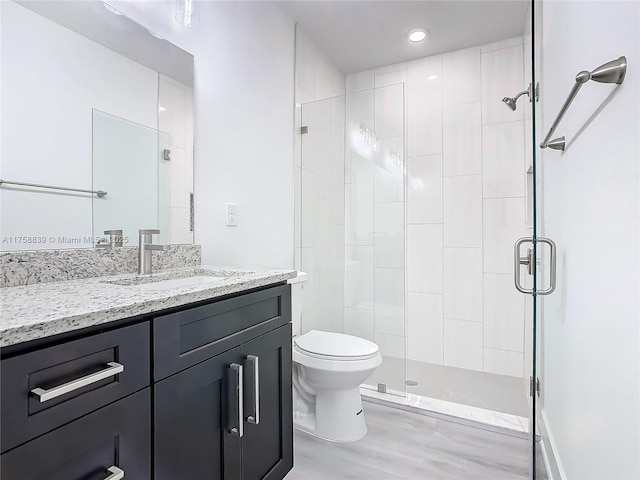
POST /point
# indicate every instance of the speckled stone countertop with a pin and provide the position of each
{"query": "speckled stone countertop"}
(36, 311)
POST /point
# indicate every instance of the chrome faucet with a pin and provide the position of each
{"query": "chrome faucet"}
(145, 247)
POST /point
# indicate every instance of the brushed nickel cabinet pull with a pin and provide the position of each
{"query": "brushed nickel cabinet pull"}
(113, 368)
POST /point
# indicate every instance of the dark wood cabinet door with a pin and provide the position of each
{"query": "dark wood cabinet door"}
(117, 436)
(193, 416)
(267, 447)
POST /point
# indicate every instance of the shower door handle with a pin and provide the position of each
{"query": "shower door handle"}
(530, 261)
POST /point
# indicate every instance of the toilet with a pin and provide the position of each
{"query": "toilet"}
(328, 369)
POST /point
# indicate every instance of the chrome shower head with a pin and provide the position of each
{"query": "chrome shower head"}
(510, 102)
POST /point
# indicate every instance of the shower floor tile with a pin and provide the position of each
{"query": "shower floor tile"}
(489, 391)
(404, 445)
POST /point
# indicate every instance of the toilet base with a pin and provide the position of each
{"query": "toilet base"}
(337, 417)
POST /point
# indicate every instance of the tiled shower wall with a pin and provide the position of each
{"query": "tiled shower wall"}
(465, 194)
(319, 186)
(375, 210)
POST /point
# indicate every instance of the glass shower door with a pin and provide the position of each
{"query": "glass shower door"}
(352, 222)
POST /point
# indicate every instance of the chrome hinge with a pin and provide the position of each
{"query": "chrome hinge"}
(304, 130)
(534, 386)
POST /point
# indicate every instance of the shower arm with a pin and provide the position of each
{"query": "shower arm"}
(522, 93)
(610, 72)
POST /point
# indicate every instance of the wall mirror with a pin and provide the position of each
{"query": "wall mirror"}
(92, 101)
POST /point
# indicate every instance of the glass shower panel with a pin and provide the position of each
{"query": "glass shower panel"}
(322, 214)
(126, 159)
(352, 231)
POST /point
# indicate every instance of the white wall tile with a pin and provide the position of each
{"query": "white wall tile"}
(503, 160)
(462, 139)
(359, 156)
(424, 189)
(462, 76)
(394, 67)
(360, 106)
(424, 106)
(389, 301)
(308, 208)
(502, 362)
(463, 344)
(309, 302)
(391, 75)
(424, 119)
(323, 300)
(425, 328)
(358, 280)
(359, 323)
(509, 42)
(391, 345)
(423, 71)
(389, 250)
(463, 284)
(502, 76)
(463, 211)
(389, 217)
(503, 317)
(389, 111)
(389, 172)
(424, 258)
(358, 82)
(503, 225)
(359, 214)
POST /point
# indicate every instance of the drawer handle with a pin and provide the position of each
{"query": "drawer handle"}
(46, 395)
(236, 396)
(253, 361)
(116, 473)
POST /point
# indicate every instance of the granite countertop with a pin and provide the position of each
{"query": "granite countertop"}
(36, 311)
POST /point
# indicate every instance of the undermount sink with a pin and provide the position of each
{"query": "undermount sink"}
(171, 280)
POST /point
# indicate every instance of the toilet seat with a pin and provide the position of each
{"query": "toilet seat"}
(335, 346)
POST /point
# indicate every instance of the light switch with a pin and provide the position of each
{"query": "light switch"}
(232, 216)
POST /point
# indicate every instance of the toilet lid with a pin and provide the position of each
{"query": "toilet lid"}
(332, 344)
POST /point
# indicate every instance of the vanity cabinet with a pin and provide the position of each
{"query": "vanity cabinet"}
(213, 365)
(99, 446)
(206, 422)
(197, 392)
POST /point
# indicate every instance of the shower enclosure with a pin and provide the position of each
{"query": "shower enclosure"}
(413, 191)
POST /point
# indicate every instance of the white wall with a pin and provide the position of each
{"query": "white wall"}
(591, 343)
(465, 207)
(47, 102)
(244, 107)
(319, 193)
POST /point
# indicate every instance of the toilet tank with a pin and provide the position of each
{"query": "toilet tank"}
(297, 297)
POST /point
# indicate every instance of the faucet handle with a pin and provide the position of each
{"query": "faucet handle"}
(148, 231)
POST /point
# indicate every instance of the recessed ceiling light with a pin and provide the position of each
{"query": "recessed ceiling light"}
(417, 36)
(432, 77)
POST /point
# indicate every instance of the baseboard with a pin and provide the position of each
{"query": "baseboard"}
(549, 449)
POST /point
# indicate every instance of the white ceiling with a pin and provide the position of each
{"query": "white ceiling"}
(359, 35)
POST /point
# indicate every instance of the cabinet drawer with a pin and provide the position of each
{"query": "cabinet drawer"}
(114, 437)
(185, 338)
(44, 389)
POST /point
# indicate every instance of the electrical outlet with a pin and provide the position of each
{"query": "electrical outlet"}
(232, 215)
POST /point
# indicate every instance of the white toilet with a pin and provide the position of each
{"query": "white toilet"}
(328, 369)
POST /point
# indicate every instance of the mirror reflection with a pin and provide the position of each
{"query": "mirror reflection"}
(80, 85)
